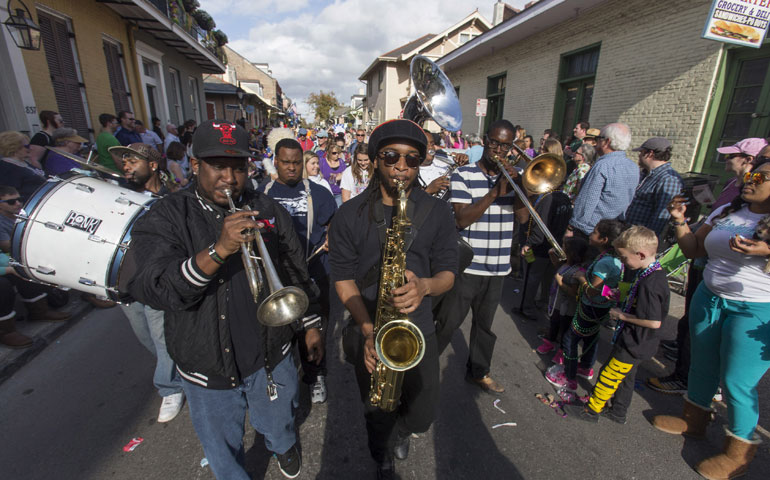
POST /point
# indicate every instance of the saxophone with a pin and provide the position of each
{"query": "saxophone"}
(399, 343)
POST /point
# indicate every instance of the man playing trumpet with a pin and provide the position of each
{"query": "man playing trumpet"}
(186, 250)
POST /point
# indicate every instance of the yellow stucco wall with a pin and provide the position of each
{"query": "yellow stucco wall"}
(90, 22)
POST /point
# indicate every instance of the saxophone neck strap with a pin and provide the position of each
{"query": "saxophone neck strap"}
(417, 216)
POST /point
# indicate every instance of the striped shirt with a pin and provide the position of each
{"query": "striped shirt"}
(492, 234)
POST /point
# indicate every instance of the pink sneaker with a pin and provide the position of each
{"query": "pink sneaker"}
(545, 347)
(585, 372)
(572, 385)
(558, 359)
(556, 377)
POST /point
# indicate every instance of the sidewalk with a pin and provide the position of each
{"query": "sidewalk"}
(42, 333)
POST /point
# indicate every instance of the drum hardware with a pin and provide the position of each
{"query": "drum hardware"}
(53, 226)
(84, 188)
(85, 162)
(128, 201)
(90, 283)
(40, 269)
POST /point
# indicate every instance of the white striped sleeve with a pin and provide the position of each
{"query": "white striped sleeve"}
(193, 274)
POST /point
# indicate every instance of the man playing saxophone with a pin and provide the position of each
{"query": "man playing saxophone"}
(359, 233)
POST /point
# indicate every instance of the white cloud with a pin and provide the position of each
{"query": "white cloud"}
(326, 47)
(251, 7)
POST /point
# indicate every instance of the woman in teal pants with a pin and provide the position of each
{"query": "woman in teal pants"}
(729, 323)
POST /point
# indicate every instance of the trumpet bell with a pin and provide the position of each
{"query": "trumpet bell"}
(283, 307)
(544, 173)
(400, 345)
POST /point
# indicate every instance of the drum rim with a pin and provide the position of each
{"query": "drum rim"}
(113, 274)
(20, 227)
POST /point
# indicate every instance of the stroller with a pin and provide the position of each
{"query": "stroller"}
(676, 266)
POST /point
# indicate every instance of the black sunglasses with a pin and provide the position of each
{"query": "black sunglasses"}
(391, 157)
(12, 201)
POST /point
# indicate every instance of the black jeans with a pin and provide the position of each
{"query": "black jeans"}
(590, 340)
(682, 369)
(310, 369)
(559, 325)
(615, 381)
(534, 274)
(481, 295)
(415, 413)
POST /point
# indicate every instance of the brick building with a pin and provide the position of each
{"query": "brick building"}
(102, 57)
(558, 62)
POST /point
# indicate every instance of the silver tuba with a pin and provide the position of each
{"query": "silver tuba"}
(284, 305)
(434, 96)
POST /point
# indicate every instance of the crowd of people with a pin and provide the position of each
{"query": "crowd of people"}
(324, 200)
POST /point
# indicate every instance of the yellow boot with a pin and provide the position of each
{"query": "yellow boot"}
(692, 423)
(733, 462)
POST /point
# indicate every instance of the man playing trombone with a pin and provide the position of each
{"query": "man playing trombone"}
(484, 207)
(187, 264)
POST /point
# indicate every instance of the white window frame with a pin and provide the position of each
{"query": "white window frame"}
(144, 51)
(195, 98)
(176, 78)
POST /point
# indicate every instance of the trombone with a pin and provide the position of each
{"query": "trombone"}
(543, 174)
(284, 305)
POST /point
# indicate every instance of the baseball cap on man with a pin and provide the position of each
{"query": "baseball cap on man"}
(220, 138)
(397, 129)
(656, 144)
(139, 150)
(303, 131)
(322, 134)
(747, 146)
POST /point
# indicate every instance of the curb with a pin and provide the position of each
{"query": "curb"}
(48, 337)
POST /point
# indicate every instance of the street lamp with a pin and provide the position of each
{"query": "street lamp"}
(24, 31)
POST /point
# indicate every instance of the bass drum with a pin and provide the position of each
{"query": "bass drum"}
(74, 233)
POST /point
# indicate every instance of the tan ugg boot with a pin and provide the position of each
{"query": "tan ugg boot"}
(733, 462)
(10, 337)
(39, 311)
(692, 423)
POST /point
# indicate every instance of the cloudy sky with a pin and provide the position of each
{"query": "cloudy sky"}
(325, 45)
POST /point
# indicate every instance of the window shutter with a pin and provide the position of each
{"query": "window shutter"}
(115, 72)
(61, 64)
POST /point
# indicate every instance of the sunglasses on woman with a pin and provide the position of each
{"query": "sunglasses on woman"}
(757, 178)
(391, 157)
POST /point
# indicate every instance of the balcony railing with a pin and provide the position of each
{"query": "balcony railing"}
(175, 12)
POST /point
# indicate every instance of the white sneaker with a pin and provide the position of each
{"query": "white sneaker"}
(171, 406)
(318, 390)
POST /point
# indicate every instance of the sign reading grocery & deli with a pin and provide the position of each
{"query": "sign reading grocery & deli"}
(743, 22)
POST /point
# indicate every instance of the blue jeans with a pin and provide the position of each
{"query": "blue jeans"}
(147, 324)
(218, 417)
(730, 342)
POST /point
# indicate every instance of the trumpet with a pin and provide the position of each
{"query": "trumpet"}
(284, 305)
(543, 174)
(452, 165)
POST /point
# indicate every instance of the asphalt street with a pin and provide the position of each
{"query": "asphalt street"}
(68, 413)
